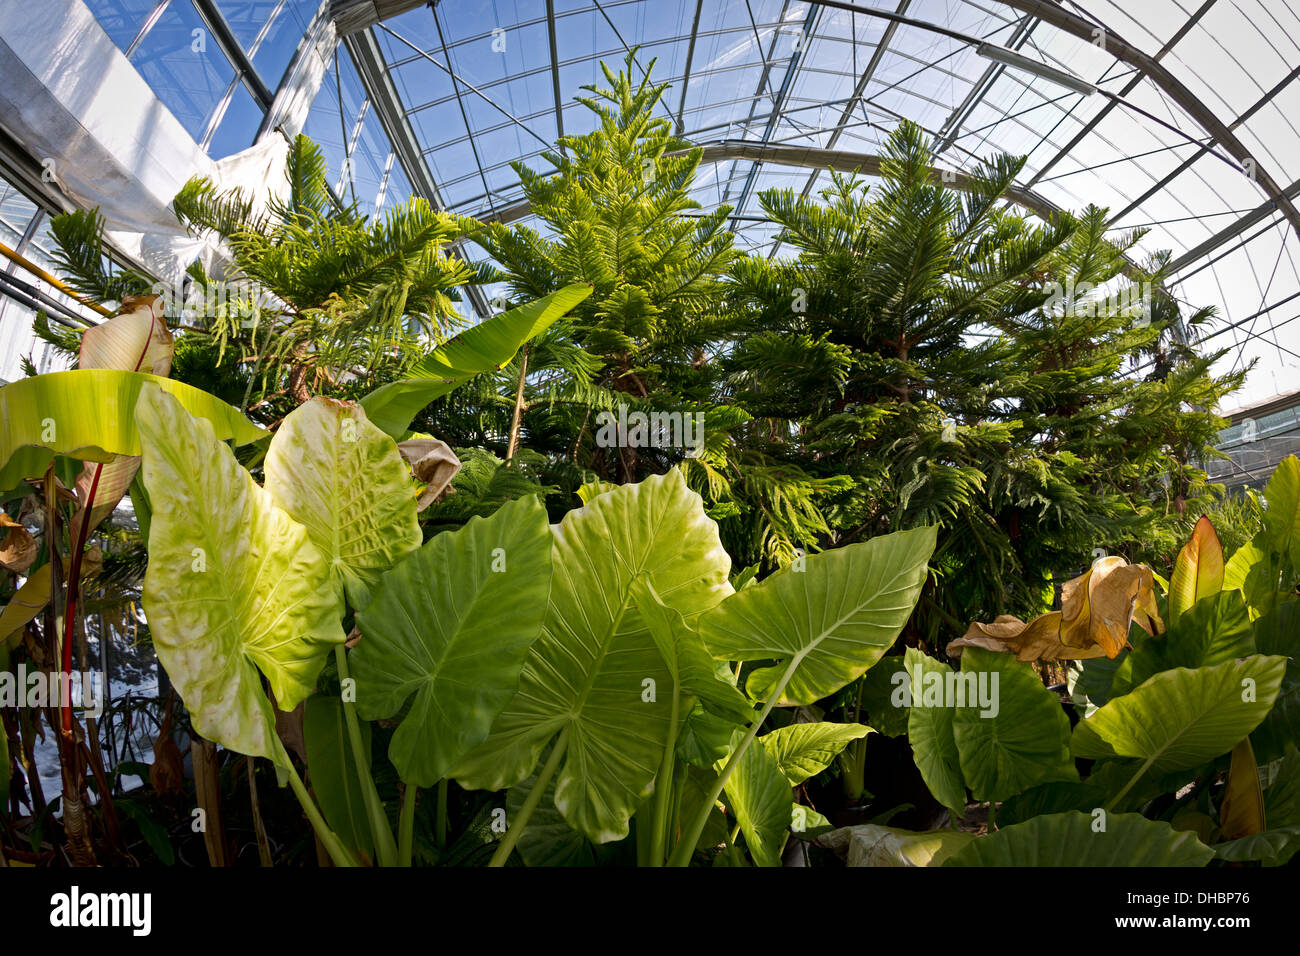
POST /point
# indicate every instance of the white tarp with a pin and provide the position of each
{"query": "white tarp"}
(80, 108)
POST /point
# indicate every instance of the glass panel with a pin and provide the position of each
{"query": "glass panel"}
(184, 66)
(238, 127)
(121, 19)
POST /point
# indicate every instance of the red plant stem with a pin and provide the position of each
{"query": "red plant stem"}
(70, 607)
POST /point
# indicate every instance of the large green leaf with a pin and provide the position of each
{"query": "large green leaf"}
(1183, 717)
(930, 732)
(1282, 518)
(234, 585)
(696, 673)
(1282, 795)
(1278, 632)
(483, 348)
(878, 692)
(1074, 839)
(1273, 847)
(345, 482)
(805, 750)
(825, 624)
(1024, 742)
(548, 840)
(90, 414)
(449, 629)
(1214, 630)
(333, 768)
(1255, 570)
(758, 796)
(1056, 797)
(596, 674)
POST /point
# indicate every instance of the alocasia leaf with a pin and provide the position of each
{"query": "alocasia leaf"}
(548, 840)
(90, 414)
(1021, 740)
(345, 482)
(827, 623)
(929, 730)
(1271, 848)
(1282, 796)
(483, 348)
(234, 585)
(593, 676)
(449, 628)
(1282, 517)
(693, 670)
(759, 797)
(805, 750)
(1241, 813)
(1083, 839)
(1183, 717)
(1215, 629)
(1198, 571)
(1277, 632)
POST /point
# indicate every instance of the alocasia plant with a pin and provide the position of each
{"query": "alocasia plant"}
(448, 629)
(235, 589)
(595, 682)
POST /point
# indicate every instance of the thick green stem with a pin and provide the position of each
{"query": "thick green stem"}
(664, 786)
(515, 827)
(1110, 804)
(385, 846)
(328, 838)
(691, 835)
(440, 821)
(406, 825)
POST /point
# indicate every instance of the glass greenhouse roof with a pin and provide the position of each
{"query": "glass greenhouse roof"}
(1178, 116)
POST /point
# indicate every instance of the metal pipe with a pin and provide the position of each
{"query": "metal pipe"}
(59, 284)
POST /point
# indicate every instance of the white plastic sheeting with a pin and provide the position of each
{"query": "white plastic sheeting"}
(84, 112)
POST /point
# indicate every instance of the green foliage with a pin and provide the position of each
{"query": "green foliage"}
(913, 347)
(449, 629)
(618, 214)
(316, 290)
(235, 589)
(1077, 839)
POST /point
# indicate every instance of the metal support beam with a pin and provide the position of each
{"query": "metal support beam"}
(369, 62)
(1129, 87)
(803, 41)
(1117, 46)
(952, 125)
(690, 60)
(302, 78)
(555, 69)
(225, 37)
(810, 157)
(353, 16)
(859, 90)
(1187, 163)
(1257, 215)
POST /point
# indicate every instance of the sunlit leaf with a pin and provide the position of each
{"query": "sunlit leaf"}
(449, 629)
(234, 590)
(1083, 839)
